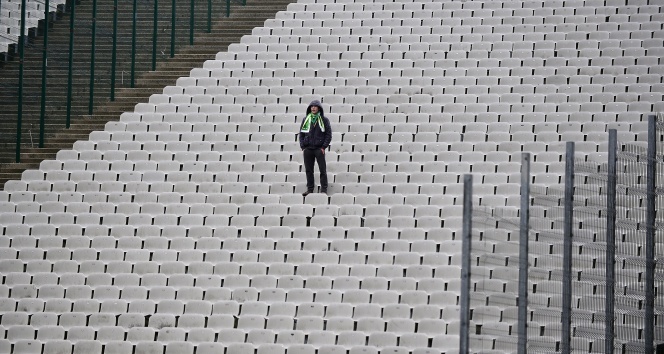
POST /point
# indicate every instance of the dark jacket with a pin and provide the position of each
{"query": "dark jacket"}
(316, 138)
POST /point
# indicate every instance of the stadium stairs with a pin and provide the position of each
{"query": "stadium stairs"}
(206, 45)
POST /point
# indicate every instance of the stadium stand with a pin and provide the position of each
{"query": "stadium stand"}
(181, 228)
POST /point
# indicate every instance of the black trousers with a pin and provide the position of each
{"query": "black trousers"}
(310, 156)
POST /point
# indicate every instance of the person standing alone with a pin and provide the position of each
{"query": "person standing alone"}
(315, 137)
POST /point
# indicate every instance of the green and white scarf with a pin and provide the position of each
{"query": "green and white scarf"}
(310, 121)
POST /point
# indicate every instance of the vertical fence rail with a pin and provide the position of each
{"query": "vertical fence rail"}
(21, 55)
(209, 16)
(173, 17)
(658, 335)
(42, 108)
(567, 250)
(524, 230)
(114, 50)
(133, 43)
(464, 300)
(71, 62)
(649, 316)
(609, 329)
(191, 22)
(93, 50)
(155, 29)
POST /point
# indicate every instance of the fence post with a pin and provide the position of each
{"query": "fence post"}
(21, 55)
(464, 301)
(192, 9)
(567, 250)
(228, 8)
(92, 57)
(609, 329)
(115, 48)
(209, 17)
(523, 253)
(42, 109)
(155, 25)
(173, 14)
(649, 323)
(71, 62)
(133, 45)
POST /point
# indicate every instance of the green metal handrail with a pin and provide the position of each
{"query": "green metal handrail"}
(155, 28)
(133, 45)
(71, 62)
(21, 53)
(92, 57)
(191, 22)
(93, 81)
(42, 108)
(115, 48)
(173, 16)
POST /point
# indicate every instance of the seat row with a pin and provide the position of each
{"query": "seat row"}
(611, 5)
(420, 49)
(466, 25)
(239, 289)
(566, 94)
(275, 232)
(185, 210)
(242, 221)
(446, 33)
(464, 10)
(166, 170)
(132, 151)
(442, 346)
(444, 71)
(219, 264)
(164, 286)
(394, 118)
(367, 124)
(424, 55)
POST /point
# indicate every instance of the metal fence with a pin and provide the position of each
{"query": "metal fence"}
(100, 77)
(576, 265)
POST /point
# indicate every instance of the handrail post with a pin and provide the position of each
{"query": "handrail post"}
(133, 45)
(191, 22)
(71, 62)
(21, 54)
(42, 111)
(92, 57)
(155, 28)
(173, 15)
(115, 48)
(209, 17)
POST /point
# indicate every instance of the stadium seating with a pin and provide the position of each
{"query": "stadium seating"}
(180, 228)
(10, 19)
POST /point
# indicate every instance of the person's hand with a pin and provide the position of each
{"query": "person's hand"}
(323, 150)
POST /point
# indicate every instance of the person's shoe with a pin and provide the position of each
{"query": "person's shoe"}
(306, 193)
(324, 191)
